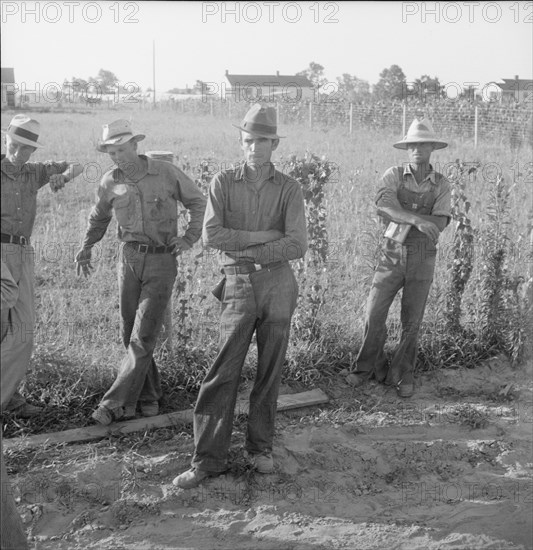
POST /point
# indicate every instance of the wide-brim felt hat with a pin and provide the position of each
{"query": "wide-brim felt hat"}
(420, 131)
(260, 121)
(25, 130)
(117, 133)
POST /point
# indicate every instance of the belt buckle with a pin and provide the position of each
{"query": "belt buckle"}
(23, 241)
(258, 267)
(143, 248)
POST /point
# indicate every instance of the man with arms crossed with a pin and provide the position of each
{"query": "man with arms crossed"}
(255, 217)
(414, 201)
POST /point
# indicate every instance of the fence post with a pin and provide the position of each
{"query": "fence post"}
(310, 114)
(404, 119)
(277, 113)
(351, 118)
(475, 126)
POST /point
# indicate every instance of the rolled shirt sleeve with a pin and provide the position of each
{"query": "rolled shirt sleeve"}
(194, 201)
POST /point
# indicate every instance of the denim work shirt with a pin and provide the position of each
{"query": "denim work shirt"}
(236, 209)
(147, 209)
(19, 193)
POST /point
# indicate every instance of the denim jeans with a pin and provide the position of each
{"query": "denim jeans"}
(410, 267)
(145, 284)
(264, 302)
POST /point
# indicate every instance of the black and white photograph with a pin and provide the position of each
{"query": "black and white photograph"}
(266, 275)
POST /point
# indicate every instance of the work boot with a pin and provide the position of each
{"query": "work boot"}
(405, 389)
(103, 416)
(129, 412)
(192, 478)
(357, 379)
(262, 462)
(149, 408)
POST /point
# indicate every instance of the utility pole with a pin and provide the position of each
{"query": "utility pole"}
(153, 66)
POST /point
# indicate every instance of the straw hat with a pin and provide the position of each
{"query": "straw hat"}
(117, 133)
(420, 131)
(260, 121)
(25, 130)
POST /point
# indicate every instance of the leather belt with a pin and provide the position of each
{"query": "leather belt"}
(13, 239)
(249, 268)
(149, 249)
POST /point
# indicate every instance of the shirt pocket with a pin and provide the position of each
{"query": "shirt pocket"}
(123, 210)
(274, 221)
(160, 207)
(234, 220)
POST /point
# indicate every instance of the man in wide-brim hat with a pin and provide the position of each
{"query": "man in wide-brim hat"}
(21, 180)
(414, 201)
(255, 218)
(144, 194)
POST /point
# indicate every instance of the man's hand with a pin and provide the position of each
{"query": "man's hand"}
(57, 181)
(430, 229)
(83, 261)
(180, 245)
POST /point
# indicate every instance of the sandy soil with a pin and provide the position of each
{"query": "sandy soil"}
(450, 468)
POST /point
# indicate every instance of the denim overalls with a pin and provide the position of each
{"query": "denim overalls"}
(410, 266)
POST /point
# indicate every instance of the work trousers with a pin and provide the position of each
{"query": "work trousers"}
(145, 283)
(262, 302)
(16, 347)
(18, 322)
(409, 266)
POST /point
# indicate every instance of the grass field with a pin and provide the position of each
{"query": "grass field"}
(77, 338)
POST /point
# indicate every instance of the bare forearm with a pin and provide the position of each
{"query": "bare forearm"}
(399, 215)
(73, 171)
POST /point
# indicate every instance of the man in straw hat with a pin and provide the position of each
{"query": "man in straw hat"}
(144, 194)
(414, 203)
(255, 218)
(21, 180)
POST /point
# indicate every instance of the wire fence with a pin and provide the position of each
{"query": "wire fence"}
(510, 124)
(481, 122)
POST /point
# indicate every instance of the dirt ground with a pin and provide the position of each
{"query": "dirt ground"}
(450, 468)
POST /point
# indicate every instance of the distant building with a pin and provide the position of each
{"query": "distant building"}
(517, 90)
(8, 87)
(271, 88)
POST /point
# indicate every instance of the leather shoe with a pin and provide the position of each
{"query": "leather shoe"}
(262, 462)
(192, 478)
(405, 389)
(149, 408)
(356, 379)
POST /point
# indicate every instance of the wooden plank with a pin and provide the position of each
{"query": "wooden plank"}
(89, 433)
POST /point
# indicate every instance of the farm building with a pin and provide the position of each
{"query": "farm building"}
(268, 87)
(8, 87)
(515, 89)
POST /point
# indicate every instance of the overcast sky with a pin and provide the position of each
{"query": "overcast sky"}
(458, 42)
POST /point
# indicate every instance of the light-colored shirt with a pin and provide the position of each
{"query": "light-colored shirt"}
(19, 193)
(147, 209)
(391, 179)
(236, 209)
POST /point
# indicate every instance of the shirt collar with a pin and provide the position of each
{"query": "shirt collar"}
(151, 168)
(430, 176)
(273, 174)
(9, 169)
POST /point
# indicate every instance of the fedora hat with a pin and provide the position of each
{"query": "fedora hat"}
(260, 121)
(25, 130)
(420, 131)
(117, 133)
